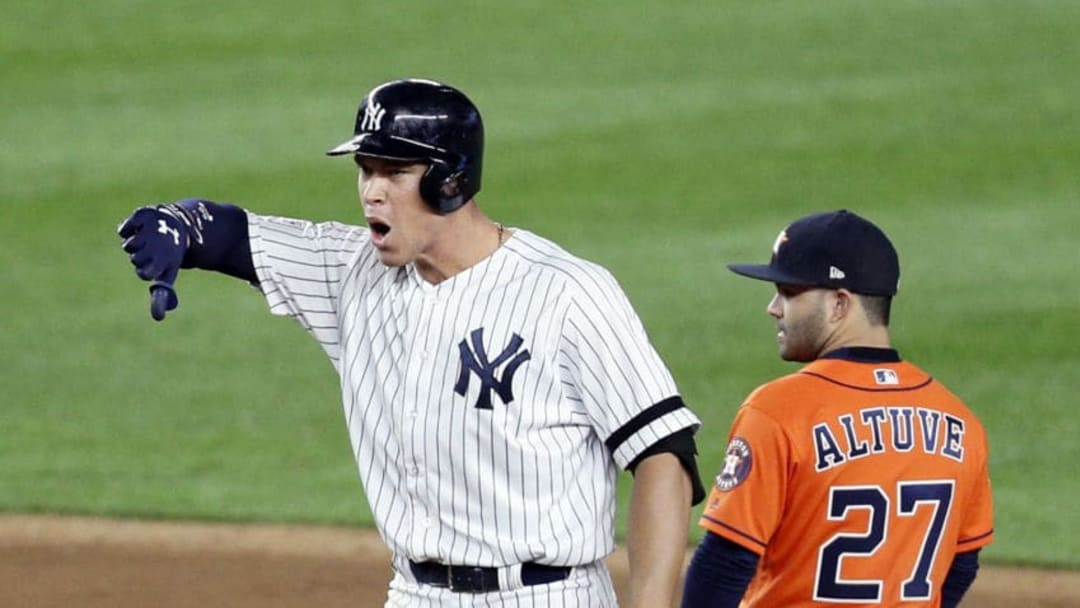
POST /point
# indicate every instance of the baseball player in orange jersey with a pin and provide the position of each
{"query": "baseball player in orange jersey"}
(858, 480)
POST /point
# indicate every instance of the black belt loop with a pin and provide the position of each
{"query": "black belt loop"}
(476, 579)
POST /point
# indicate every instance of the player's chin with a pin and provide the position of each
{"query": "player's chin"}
(795, 355)
(390, 257)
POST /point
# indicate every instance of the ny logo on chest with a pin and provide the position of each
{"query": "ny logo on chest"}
(474, 360)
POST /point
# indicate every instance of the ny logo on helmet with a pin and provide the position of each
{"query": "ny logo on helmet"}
(474, 360)
(373, 115)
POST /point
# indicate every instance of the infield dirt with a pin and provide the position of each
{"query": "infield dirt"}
(97, 563)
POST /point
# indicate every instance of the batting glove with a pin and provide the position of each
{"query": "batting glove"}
(157, 238)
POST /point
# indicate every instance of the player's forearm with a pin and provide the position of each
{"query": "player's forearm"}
(219, 238)
(658, 528)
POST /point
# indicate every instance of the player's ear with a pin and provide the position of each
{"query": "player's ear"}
(842, 303)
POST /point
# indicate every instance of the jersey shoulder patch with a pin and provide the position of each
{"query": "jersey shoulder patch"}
(738, 460)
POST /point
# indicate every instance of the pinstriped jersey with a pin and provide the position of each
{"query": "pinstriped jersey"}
(488, 413)
(856, 482)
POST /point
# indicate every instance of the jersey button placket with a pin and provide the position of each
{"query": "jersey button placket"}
(412, 430)
(430, 301)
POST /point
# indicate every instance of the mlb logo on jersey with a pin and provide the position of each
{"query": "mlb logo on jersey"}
(886, 376)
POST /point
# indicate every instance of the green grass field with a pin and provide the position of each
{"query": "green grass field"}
(659, 139)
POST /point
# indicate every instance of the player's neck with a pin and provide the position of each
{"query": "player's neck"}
(861, 335)
(469, 238)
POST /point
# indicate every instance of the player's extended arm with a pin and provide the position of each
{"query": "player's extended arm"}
(191, 233)
(658, 529)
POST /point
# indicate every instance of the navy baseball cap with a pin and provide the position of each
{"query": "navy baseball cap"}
(833, 250)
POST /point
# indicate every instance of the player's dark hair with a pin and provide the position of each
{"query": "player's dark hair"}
(878, 308)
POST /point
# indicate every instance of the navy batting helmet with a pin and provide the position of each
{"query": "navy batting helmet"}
(423, 121)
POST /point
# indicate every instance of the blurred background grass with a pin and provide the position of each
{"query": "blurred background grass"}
(659, 139)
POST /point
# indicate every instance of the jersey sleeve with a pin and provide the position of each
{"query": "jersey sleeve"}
(300, 266)
(977, 525)
(747, 499)
(613, 372)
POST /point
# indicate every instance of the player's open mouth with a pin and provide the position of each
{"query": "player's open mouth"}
(379, 230)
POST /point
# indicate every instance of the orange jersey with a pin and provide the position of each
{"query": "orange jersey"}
(856, 483)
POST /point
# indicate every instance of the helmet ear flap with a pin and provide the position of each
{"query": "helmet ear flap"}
(441, 188)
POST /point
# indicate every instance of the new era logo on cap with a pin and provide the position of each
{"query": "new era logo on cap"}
(836, 273)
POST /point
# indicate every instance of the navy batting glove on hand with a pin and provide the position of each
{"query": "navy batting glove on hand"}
(157, 239)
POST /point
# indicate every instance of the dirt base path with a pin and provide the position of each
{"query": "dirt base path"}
(96, 563)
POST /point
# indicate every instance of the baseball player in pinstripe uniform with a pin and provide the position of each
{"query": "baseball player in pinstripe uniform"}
(492, 383)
